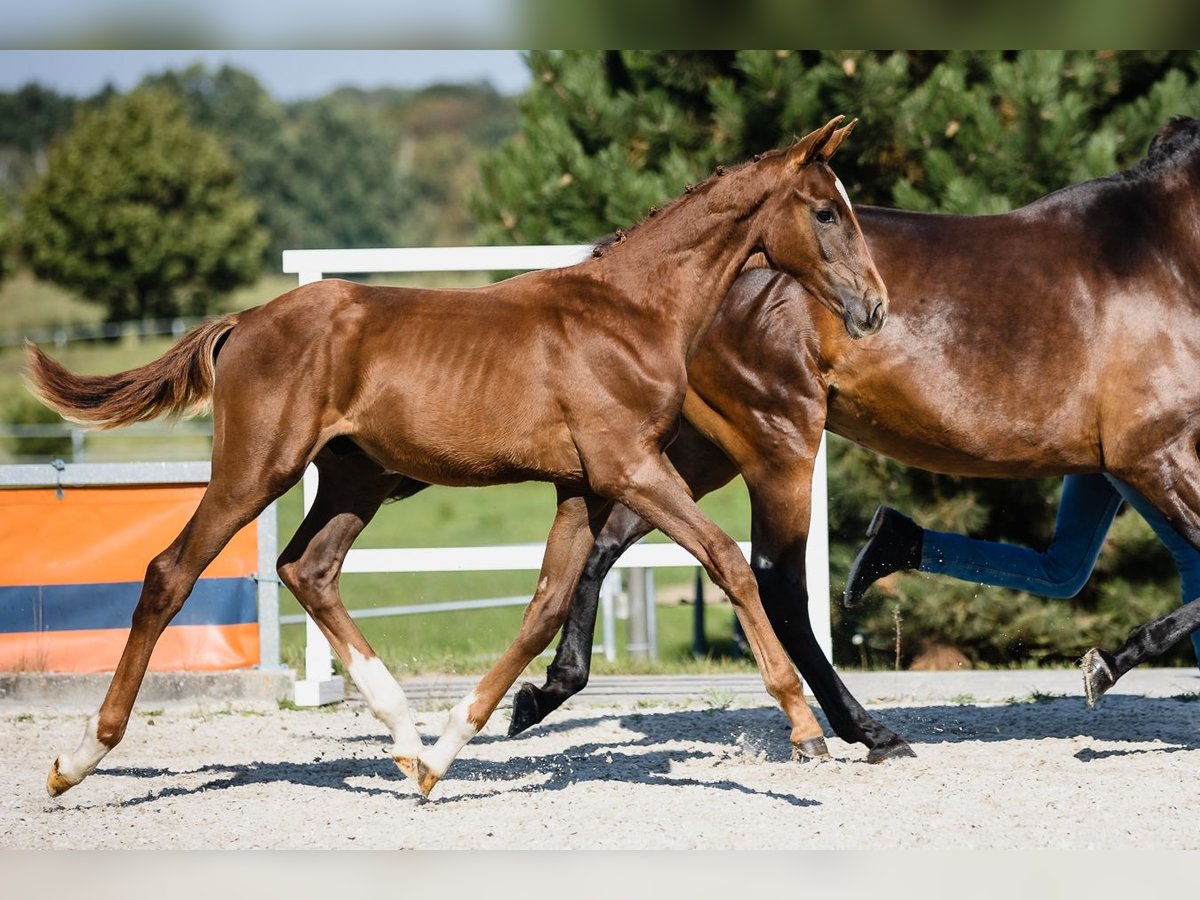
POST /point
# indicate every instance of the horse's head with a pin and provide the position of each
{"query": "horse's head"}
(812, 234)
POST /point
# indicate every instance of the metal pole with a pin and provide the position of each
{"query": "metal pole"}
(608, 591)
(816, 555)
(268, 590)
(699, 637)
(651, 615)
(639, 644)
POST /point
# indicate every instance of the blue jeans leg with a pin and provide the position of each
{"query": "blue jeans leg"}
(1187, 557)
(1085, 512)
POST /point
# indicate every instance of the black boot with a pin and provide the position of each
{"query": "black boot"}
(895, 544)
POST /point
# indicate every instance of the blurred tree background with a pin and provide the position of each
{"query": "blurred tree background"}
(597, 139)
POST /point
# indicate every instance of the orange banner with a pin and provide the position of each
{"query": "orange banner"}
(188, 648)
(103, 534)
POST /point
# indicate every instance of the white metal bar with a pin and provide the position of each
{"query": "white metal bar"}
(503, 557)
(816, 555)
(382, 612)
(320, 685)
(104, 474)
(434, 259)
(608, 624)
(268, 590)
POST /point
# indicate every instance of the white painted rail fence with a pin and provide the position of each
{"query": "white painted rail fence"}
(319, 684)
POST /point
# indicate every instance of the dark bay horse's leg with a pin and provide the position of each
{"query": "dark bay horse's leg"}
(1101, 669)
(704, 468)
(567, 675)
(579, 519)
(657, 493)
(350, 490)
(781, 504)
(1169, 489)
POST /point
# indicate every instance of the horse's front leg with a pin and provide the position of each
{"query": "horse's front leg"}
(655, 491)
(579, 519)
(780, 499)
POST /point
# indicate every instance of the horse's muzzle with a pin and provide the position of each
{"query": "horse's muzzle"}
(865, 317)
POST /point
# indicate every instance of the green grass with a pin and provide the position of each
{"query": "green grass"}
(442, 642)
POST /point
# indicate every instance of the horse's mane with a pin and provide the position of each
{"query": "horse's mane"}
(1177, 140)
(615, 237)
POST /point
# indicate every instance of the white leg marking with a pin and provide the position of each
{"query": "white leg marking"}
(79, 765)
(454, 737)
(386, 699)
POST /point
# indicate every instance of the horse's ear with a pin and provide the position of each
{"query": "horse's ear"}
(807, 148)
(835, 139)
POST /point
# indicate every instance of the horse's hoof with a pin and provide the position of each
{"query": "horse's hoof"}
(419, 773)
(525, 709)
(896, 749)
(810, 748)
(1098, 675)
(57, 783)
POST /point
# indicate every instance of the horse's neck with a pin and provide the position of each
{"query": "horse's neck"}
(686, 263)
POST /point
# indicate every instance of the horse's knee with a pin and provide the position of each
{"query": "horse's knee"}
(164, 590)
(308, 581)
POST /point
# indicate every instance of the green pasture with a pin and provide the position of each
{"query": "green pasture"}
(436, 642)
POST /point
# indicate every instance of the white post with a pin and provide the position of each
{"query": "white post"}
(608, 591)
(320, 685)
(816, 555)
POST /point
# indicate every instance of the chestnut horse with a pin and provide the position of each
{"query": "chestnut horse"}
(575, 376)
(1055, 339)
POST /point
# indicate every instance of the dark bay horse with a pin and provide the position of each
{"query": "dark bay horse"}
(1059, 338)
(574, 376)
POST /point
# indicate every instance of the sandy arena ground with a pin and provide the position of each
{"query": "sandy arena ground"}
(1036, 771)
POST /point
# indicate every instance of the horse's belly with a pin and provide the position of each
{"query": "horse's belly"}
(477, 458)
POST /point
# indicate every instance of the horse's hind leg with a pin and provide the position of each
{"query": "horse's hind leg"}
(567, 675)
(704, 468)
(226, 507)
(579, 519)
(350, 490)
(1101, 669)
(1166, 491)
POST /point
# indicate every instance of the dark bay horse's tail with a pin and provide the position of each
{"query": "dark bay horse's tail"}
(178, 383)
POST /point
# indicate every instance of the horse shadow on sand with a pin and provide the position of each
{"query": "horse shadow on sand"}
(710, 737)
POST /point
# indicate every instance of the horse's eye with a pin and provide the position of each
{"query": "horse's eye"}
(825, 216)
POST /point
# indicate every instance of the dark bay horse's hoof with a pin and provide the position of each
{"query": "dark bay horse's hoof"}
(1098, 675)
(896, 748)
(525, 711)
(811, 748)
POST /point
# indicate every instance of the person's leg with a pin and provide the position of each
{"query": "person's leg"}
(1187, 557)
(1085, 512)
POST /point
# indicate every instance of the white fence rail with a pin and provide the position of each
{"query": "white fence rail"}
(319, 684)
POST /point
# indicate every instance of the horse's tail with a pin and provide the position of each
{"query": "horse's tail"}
(178, 383)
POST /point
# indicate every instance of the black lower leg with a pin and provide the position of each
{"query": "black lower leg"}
(785, 597)
(567, 675)
(1101, 669)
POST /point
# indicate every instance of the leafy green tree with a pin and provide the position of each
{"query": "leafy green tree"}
(142, 212)
(253, 126)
